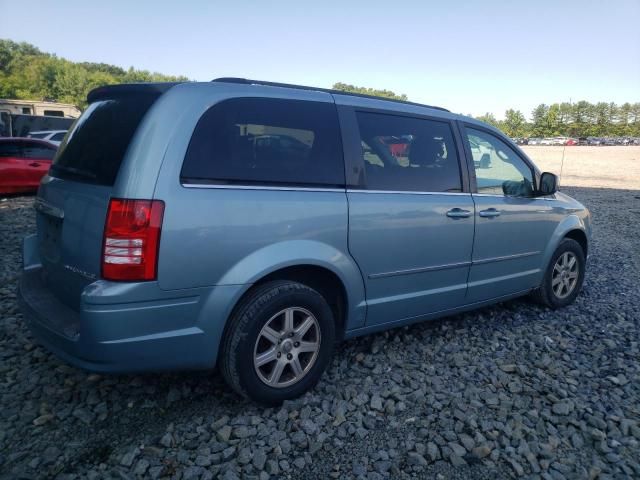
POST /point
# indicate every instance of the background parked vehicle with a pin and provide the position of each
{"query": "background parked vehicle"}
(23, 162)
(398, 146)
(39, 108)
(18, 125)
(20, 117)
(52, 136)
(583, 141)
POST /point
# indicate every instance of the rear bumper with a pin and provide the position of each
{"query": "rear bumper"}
(127, 327)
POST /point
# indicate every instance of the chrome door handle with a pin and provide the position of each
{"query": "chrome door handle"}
(490, 212)
(458, 213)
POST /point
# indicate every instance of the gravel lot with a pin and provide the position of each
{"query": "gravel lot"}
(507, 391)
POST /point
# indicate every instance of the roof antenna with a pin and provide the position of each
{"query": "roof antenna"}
(564, 147)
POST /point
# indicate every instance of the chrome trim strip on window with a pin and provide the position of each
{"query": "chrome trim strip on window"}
(419, 270)
(506, 257)
(497, 195)
(262, 187)
(354, 190)
(314, 189)
(43, 207)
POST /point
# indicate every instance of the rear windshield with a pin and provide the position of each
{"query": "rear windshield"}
(98, 141)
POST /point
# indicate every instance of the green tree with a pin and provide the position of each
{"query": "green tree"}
(565, 119)
(635, 120)
(490, 119)
(624, 119)
(539, 120)
(602, 119)
(582, 115)
(514, 125)
(28, 73)
(552, 120)
(344, 87)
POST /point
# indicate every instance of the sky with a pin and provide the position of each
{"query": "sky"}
(470, 56)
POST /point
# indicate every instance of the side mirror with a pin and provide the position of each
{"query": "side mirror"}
(548, 184)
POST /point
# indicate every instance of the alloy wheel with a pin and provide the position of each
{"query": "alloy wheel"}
(565, 275)
(287, 347)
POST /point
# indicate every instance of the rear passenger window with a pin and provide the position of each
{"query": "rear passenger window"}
(408, 154)
(266, 141)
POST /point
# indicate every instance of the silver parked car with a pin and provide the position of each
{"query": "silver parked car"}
(52, 136)
(252, 225)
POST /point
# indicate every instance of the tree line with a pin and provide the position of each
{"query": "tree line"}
(345, 87)
(580, 119)
(28, 73)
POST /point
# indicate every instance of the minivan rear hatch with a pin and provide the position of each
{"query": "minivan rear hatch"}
(73, 199)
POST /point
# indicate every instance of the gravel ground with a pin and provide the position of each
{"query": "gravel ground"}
(509, 391)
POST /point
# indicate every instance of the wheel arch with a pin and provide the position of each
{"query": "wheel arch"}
(581, 237)
(572, 227)
(306, 261)
(323, 280)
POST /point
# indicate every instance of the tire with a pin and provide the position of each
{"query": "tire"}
(546, 294)
(246, 338)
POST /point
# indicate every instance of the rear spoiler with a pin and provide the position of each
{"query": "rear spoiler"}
(125, 89)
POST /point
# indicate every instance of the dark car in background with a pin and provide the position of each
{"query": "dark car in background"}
(23, 162)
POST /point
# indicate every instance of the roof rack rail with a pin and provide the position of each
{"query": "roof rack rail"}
(246, 81)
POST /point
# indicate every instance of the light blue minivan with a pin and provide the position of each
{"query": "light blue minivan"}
(251, 225)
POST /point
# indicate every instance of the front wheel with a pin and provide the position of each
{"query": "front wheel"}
(279, 341)
(564, 276)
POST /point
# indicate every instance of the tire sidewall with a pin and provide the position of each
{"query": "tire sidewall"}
(567, 245)
(249, 381)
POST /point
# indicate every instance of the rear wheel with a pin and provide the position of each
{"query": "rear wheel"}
(278, 342)
(564, 276)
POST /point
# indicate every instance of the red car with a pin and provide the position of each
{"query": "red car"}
(23, 162)
(397, 145)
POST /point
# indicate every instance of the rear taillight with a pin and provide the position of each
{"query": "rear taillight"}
(131, 239)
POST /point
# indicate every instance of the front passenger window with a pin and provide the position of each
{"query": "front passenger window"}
(499, 169)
